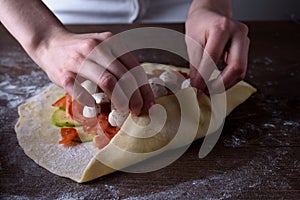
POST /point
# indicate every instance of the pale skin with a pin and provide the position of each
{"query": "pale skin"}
(210, 23)
(60, 53)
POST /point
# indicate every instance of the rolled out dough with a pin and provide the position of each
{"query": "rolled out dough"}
(39, 138)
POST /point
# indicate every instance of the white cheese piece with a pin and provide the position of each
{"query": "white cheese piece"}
(156, 80)
(89, 86)
(115, 118)
(170, 80)
(90, 112)
(186, 83)
(101, 98)
(158, 88)
(168, 77)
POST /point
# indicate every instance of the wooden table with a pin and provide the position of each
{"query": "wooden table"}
(257, 156)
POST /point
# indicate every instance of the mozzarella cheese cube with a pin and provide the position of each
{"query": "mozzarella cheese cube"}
(101, 98)
(90, 86)
(186, 83)
(168, 77)
(115, 118)
(90, 112)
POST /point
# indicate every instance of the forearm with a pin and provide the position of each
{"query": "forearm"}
(220, 6)
(30, 22)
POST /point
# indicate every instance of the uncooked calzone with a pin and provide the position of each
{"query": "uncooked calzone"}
(84, 162)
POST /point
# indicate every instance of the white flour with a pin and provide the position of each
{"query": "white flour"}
(16, 90)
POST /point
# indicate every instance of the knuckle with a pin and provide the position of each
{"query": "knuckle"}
(243, 28)
(222, 24)
(76, 59)
(67, 81)
(89, 44)
(239, 72)
(106, 81)
(106, 35)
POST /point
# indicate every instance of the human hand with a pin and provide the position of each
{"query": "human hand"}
(66, 55)
(221, 37)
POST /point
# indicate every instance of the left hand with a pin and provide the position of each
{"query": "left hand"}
(219, 35)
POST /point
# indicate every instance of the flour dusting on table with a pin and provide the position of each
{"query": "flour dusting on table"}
(17, 89)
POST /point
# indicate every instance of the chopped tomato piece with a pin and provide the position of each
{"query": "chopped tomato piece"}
(68, 135)
(61, 103)
(109, 130)
(90, 125)
(185, 75)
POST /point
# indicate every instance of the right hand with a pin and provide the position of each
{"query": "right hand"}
(66, 55)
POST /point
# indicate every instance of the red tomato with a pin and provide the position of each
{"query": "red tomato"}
(68, 134)
(185, 75)
(109, 130)
(60, 102)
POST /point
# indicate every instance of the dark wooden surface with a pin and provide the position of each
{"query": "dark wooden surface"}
(257, 156)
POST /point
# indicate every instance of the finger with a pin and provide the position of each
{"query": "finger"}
(236, 68)
(129, 61)
(195, 54)
(130, 87)
(90, 42)
(99, 36)
(195, 50)
(103, 55)
(141, 78)
(107, 82)
(73, 87)
(120, 50)
(213, 51)
(127, 81)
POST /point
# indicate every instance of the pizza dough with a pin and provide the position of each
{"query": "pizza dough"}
(83, 162)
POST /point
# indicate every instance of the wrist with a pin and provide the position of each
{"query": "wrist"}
(41, 42)
(223, 7)
(43, 39)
